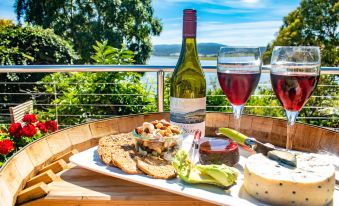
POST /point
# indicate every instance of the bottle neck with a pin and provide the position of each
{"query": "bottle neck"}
(189, 47)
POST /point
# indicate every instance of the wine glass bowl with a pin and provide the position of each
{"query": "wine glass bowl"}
(295, 72)
(239, 70)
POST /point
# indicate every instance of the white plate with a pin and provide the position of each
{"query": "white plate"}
(236, 195)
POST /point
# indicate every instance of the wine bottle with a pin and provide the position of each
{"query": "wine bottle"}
(188, 85)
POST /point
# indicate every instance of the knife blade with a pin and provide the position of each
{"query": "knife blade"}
(266, 149)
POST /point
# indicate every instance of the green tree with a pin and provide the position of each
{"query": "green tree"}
(314, 22)
(84, 95)
(105, 54)
(84, 22)
(33, 45)
(28, 45)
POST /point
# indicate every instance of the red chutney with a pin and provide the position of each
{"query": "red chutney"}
(219, 151)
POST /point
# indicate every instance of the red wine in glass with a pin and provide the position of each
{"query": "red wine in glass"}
(238, 73)
(238, 86)
(293, 90)
(295, 73)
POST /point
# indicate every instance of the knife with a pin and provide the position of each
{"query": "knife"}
(255, 145)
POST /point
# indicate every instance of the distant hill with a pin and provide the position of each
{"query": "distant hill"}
(204, 49)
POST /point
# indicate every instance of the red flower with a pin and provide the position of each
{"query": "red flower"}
(6, 146)
(42, 127)
(29, 118)
(29, 130)
(51, 125)
(15, 130)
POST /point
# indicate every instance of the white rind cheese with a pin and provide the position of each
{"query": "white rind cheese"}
(312, 182)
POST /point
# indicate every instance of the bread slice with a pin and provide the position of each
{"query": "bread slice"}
(156, 167)
(117, 140)
(105, 154)
(118, 150)
(125, 160)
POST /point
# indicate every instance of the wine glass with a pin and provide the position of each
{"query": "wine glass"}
(239, 71)
(295, 72)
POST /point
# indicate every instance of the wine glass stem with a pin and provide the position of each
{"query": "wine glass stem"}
(291, 118)
(237, 123)
(237, 111)
(290, 132)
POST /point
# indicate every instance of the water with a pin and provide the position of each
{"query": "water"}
(172, 61)
(211, 78)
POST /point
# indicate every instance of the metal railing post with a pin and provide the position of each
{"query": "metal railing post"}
(56, 105)
(160, 90)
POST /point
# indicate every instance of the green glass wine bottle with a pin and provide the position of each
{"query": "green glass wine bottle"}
(188, 85)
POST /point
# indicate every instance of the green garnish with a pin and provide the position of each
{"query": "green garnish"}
(220, 175)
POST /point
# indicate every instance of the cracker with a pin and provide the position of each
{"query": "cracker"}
(156, 167)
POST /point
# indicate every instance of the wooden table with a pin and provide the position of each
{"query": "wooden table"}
(40, 174)
(78, 186)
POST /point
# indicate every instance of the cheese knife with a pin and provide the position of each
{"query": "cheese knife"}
(266, 149)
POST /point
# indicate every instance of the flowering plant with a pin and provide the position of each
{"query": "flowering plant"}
(18, 134)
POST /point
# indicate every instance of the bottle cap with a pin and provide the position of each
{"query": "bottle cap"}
(190, 23)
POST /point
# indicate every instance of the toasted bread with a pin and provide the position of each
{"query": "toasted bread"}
(105, 154)
(118, 150)
(156, 167)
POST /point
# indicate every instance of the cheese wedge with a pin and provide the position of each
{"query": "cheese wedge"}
(312, 182)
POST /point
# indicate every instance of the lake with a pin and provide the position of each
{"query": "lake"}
(211, 78)
(172, 61)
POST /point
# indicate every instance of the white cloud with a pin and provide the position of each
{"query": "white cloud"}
(250, 1)
(250, 4)
(226, 11)
(237, 34)
(228, 3)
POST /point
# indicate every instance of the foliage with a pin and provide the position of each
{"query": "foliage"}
(29, 45)
(96, 95)
(33, 45)
(326, 96)
(84, 22)
(314, 22)
(268, 105)
(17, 135)
(264, 98)
(109, 55)
(6, 23)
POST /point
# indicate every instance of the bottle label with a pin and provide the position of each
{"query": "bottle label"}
(189, 114)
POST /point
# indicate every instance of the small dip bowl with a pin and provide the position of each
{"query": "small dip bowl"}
(219, 151)
(164, 147)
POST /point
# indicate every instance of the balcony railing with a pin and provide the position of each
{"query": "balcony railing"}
(158, 86)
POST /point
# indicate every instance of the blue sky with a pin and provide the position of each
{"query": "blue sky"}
(231, 22)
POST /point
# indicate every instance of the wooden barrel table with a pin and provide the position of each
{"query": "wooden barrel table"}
(40, 174)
